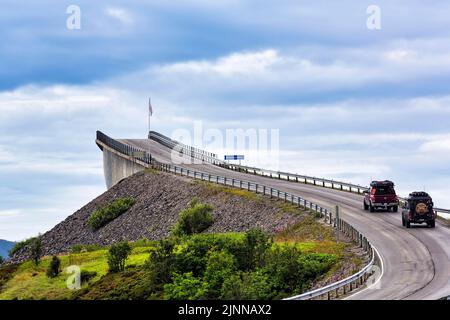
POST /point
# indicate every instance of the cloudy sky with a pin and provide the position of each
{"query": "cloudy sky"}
(350, 103)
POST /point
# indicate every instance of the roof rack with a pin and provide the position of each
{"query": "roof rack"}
(419, 194)
(384, 183)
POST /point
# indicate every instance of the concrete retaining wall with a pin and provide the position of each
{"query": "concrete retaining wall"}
(117, 168)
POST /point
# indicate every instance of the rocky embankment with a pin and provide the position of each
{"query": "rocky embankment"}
(159, 199)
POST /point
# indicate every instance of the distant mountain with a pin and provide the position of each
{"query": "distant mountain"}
(5, 246)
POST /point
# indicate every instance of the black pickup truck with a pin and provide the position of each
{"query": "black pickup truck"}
(418, 208)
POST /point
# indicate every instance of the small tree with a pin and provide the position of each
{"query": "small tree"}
(1, 260)
(36, 250)
(54, 268)
(194, 219)
(117, 256)
(185, 287)
(256, 244)
(220, 266)
(161, 263)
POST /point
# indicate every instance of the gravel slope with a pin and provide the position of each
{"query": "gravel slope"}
(159, 199)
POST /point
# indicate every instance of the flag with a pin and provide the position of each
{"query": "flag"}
(150, 109)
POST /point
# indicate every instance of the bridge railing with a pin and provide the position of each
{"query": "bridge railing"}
(321, 182)
(331, 291)
(123, 148)
(182, 148)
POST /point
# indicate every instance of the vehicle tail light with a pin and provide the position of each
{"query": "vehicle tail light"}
(410, 215)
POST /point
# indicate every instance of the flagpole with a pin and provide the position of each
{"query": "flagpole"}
(149, 116)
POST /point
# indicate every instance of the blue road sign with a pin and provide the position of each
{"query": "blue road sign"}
(234, 157)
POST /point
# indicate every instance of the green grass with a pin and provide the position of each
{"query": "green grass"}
(31, 282)
(211, 189)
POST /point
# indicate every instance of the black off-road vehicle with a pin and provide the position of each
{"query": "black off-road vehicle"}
(418, 208)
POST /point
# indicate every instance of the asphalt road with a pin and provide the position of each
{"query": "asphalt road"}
(416, 261)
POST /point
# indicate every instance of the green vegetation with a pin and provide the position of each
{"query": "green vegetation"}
(188, 265)
(19, 245)
(54, 269)
(232, 266)
(6, 273)
(211, 189)
(27, 281)
(194, 219)
(36, 250)
(78, 248)
(201, 266)
(102, 216)
(117, 256)
(1, 259)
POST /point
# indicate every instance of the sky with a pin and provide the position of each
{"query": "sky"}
(350, 103)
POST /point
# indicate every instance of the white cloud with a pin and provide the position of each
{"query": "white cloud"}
(251, 63)
(438, 146)
(121, 14)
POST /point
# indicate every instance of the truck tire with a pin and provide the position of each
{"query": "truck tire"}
(366, 207)
(408, 224)
(432, 224)
(395, 208)
(371, 207)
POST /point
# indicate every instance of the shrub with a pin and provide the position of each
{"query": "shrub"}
(185, 287)
(86, 276)
(256, 244)
(194, 219)
(54, 268)
(192, 254)
(314, 264)
(36, 250)
(1, 260)
(220, 266)
(102, 216)
(283, 268)
(19, 245)
(247, 286)
(117, 256)
(161, 263)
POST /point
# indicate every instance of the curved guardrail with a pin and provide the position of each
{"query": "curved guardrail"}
(341, 225)
(182, 148)
(321, 182)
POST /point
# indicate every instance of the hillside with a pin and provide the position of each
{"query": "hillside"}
(5, 246)
(159, 197)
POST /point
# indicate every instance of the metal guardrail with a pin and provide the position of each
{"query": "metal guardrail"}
(193, 152)
(123, 148)
(258, 171)
(341, 225)
(321, 182)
